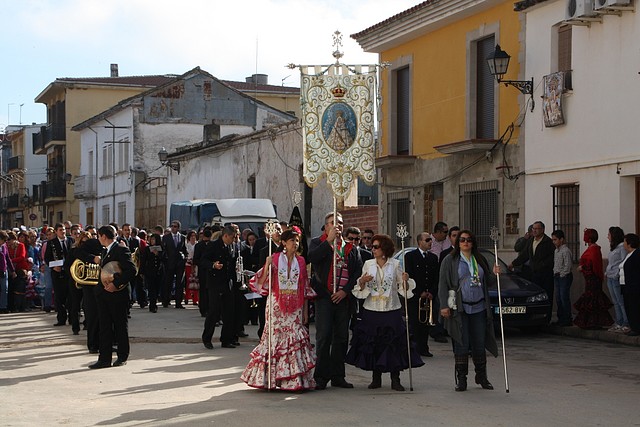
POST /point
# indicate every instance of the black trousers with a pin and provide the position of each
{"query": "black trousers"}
(332, 336)
(419, 331)
(632, 307)
(113, 323)
(221, 307)
(203, 302)
(75, 301)
(60, 295)
(90, 306)
(176, 271)
(153, 283)
(137, 285)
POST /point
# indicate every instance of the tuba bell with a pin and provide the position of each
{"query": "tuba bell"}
(425, 311)
(85, 273)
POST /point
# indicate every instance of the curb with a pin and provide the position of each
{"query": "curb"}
(595, 335)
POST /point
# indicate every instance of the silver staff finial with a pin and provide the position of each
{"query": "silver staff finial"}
(337, 43)
(297, 197)
(270, 228)
(401, 230)
(494, 234)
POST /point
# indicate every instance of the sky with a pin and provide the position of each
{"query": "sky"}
(232, 39)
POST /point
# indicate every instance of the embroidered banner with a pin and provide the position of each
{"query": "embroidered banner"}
(552, 99)
(338, 117)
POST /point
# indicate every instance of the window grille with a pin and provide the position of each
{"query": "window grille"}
(399, 209)
(566, 215)
(479, 210)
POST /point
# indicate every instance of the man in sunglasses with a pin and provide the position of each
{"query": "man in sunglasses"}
(366, 240)
(422, 266)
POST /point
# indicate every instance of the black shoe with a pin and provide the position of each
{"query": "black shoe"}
(228, 345)
(179, 306)
(242, 334)
(47, 309)
(426, 353)
(76, 332)
(165, 305)
(321, 384)
(59, 324)
(207, 345)
(94, 351)
(440, 338)
(100, 364)
(341, 383)
(153, 309)
(120, 362)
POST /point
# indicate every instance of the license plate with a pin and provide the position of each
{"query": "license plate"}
(511, 310)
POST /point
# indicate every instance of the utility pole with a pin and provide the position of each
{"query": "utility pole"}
(113, 162)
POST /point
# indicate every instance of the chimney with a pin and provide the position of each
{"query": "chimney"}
(114, 70)
(261, 79)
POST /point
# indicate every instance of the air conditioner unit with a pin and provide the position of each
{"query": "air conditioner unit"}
(606, 4)
(577, 9)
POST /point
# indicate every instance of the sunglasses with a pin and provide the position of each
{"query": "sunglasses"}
(351, 239)
(366, 237)
(174, 226)
(375, 246)
(465, 240)
(428, 239)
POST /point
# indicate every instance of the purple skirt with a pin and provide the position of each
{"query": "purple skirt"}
(380, 343)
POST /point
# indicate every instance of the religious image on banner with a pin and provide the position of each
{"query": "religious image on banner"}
(552, 99)
(338, 116)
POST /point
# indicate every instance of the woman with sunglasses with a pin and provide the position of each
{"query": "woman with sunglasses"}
(379, 342)
(465, 279)
(292, 357)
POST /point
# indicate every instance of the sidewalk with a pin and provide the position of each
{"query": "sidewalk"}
(597, 335)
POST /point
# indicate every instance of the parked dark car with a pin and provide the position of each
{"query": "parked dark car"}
(524, 304)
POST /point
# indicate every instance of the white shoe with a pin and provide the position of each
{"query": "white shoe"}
(614, 328)
(624, 329)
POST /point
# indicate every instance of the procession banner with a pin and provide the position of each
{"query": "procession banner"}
(338, 104)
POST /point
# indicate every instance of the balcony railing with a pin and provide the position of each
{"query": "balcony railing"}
(13, 201)
(55, 188)
(84, 187)
(15, 163)
(52, 132)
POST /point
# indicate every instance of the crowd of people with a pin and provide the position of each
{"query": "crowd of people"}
(548, 262)
(347, 282)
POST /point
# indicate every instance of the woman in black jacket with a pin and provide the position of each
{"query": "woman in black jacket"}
(152, 265)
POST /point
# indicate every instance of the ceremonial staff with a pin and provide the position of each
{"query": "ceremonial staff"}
(494, 237)
(270, 228)
(402, 233)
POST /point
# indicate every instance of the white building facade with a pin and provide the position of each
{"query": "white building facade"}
(585, 172)
(121, 177)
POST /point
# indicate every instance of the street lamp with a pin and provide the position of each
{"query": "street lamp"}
(163, 156)
(498, 63)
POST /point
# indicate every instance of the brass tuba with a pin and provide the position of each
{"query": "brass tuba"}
(425, 311)
(85, 273)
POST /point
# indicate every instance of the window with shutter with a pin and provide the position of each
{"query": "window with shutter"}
(403, 92)
(564, 48)
(485, 102)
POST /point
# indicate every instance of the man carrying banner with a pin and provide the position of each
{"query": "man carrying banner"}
(332, 308)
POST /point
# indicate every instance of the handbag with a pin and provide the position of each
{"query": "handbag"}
(193, 283)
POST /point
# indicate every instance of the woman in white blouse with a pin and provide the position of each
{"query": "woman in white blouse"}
(379, 342)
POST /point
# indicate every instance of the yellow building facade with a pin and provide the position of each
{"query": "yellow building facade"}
(440, 154)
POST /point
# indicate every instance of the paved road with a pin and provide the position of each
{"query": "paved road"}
(171, 379)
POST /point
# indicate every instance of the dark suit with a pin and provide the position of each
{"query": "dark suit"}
(424, 270)
(87, 253)
(56, 252)
(176, 258)
(541, 264)
(113, 306)
(137, 284)
(219, 282)
(631, 290)
(332, 320)
(203, 267)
